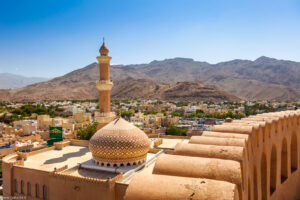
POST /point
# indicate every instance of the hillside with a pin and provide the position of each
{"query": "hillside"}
(12, 81)
(61, 89)
(263, 79)
(188, 91)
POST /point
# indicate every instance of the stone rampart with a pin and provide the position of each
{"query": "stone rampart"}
(258, 154)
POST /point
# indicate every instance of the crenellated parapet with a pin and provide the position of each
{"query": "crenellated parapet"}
(80, 179)
(258, 154)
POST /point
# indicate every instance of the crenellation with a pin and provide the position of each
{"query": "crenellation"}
(217, 141)
(268, 162)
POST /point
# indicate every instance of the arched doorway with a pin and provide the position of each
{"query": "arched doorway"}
(284, 161)
(263, 175)
(294, 153)
(273, 169)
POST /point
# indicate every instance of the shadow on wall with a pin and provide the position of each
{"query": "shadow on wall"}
(79, 153)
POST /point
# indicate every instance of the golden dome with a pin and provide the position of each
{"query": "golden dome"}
(119, 143)
(103, 49)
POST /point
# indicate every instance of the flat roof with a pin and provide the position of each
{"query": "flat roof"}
(48, 160)
(169, 143)
(81, 172)
(75, 155)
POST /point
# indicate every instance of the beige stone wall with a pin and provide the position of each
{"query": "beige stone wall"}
(272, 158)
(120, 189)
(56, 186)
(259, 154)
(6, 151)
(44, 134)
(79, 142)
(43, 122)
(9, 130)
(62, 144)
(31, 137)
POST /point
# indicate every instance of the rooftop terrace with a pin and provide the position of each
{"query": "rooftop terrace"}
(48, 160)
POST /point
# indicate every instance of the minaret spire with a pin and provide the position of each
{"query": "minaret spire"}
(104, 86)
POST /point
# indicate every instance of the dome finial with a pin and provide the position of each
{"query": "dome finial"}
(103, 50)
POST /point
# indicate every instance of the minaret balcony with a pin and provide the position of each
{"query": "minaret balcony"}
(103, 59)
(104, 85)
(104, 118)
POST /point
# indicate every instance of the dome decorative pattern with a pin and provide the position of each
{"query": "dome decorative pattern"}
(119, 143)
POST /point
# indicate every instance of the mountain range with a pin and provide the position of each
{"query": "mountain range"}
(178, 78)
(12, 81)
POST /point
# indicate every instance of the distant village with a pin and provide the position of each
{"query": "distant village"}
(25, 126)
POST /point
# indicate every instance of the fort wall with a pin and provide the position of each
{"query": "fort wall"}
(260, 155)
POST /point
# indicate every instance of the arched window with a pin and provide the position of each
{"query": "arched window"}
(294, 153)
(44, 192)
(273, 171)
(255, 183)
(284, 161)
(16, 185)
(22, 187)
(263, 175)
(28, 189)
(37, 191)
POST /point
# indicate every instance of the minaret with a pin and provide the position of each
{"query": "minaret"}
(104, 86)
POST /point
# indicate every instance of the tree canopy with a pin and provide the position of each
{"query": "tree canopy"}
(174, 130)
(87, 132)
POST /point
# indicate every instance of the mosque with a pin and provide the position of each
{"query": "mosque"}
(249, 159)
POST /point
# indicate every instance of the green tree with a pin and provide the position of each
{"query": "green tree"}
(126, 114)
(174, 130)
(199, 111)
(174, 114)
(87, 132)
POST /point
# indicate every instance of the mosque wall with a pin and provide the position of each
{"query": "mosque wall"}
(38, 184)
(120, 189)
(79, 142)
(25, 155)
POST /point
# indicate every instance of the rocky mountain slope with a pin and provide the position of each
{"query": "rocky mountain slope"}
(60, 89)
(150, 89)
(264, 78)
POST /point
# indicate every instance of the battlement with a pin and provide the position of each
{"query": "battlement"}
(259, 155)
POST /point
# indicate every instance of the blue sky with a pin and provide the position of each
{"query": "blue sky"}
(48, 38)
